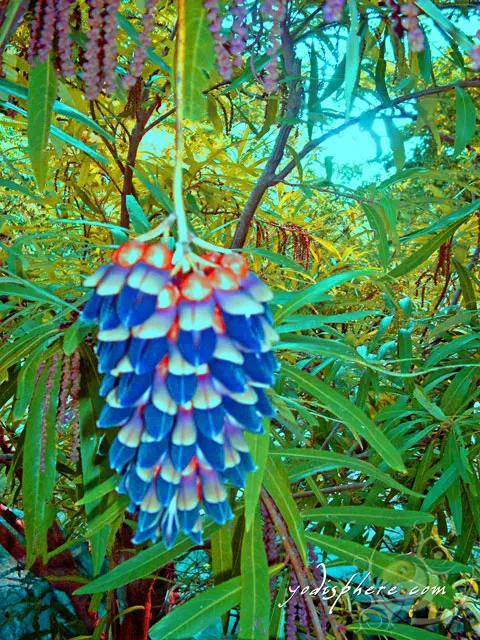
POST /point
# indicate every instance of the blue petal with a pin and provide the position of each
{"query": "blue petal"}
(137, 488)
(181, 455)
(107, 385)
(213, 451)
(149, 453)
(119, 455)
(187, 519)
(165, 491)
(91, 310)
(244, 330)
(264, 406)
(169, 528)
(134, 306)
(231, 375)
(235, 475)
(247, 462)
(197, 347)
(110, 354)
(259, 367)
(132, 387)
(108, 315)
(220, 511)
(158, 423)
(113, 417)
(145, 534)
(209, 421)
(148, 520)
(146, 354)
(181, 388)
(246, 414)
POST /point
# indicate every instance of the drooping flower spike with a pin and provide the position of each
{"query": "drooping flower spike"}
(186, 357)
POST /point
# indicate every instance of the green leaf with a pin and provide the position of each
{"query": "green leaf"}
(377, 224)
(42, 91)
(277, 484)
(158, 192)
(222, 560)
(258, 445)
(196, 614)
(445, 24)
(89, 406)
(397, 143)
(26, 381)
(198, 60)
(428, 405)
(313, 87)
(466, 121)
(397, 631)
(127, 26)
(311, 294)
(352, 56)
(254, 605)
(39, 462)
(466, 286)
(138, 218)
(327, 460)
(13, 186)
(277, 258)
(448, 479)
(74, 335)
(351, 415)
(370, 516)
(61, 108)
(421, 255)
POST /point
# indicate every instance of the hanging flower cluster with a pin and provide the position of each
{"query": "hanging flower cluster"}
(395, 17)
(273, 11)
(475, 55)
(51, 22)
(415, 35)
(333, 10)
(225, 48)
(186, 357)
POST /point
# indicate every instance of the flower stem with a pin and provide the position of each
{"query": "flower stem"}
(182, 229)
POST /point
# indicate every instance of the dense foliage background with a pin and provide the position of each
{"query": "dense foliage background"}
(371, 464)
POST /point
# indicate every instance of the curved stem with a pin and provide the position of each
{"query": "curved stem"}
(182, 229)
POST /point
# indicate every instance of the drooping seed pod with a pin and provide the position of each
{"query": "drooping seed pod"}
(186, 357)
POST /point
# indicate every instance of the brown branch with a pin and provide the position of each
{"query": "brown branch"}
(313, 144)
(339, 488)
(292, 66)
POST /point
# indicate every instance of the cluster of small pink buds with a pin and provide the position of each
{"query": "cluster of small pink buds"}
(475, 55)
(74, 395)
(270, 543)
(45, 408)
(64, 40)
(416, 37)
(292, 608)
(333, 10)
(273, 11)
(395, 17)
(239, 42)
(140, 55)
(43, 30)
(222, 57)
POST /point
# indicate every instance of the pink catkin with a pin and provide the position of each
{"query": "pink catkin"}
(415, 35)
(395, 17)
(291, 613)
(64, 39)
(239, 42)
(222, 57)
(36, 31)
(140, 55)
(110, 53)
(333, 10)
(45, 40)
(475, 55)
(74, 394)
(45, 408)
(93, 52)
(273, 11)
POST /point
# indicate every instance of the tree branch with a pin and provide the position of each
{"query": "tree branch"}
(292, 66)
(313, 144)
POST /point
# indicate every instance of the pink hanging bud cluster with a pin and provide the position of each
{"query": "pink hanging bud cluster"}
(270, 543)
(415, 35)
(333, 10)
(239, 41)
(222, 56)
(140, 55)
(475, 55)
(273, 12)
(395, 17)
(67, 412)
(52, 17)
